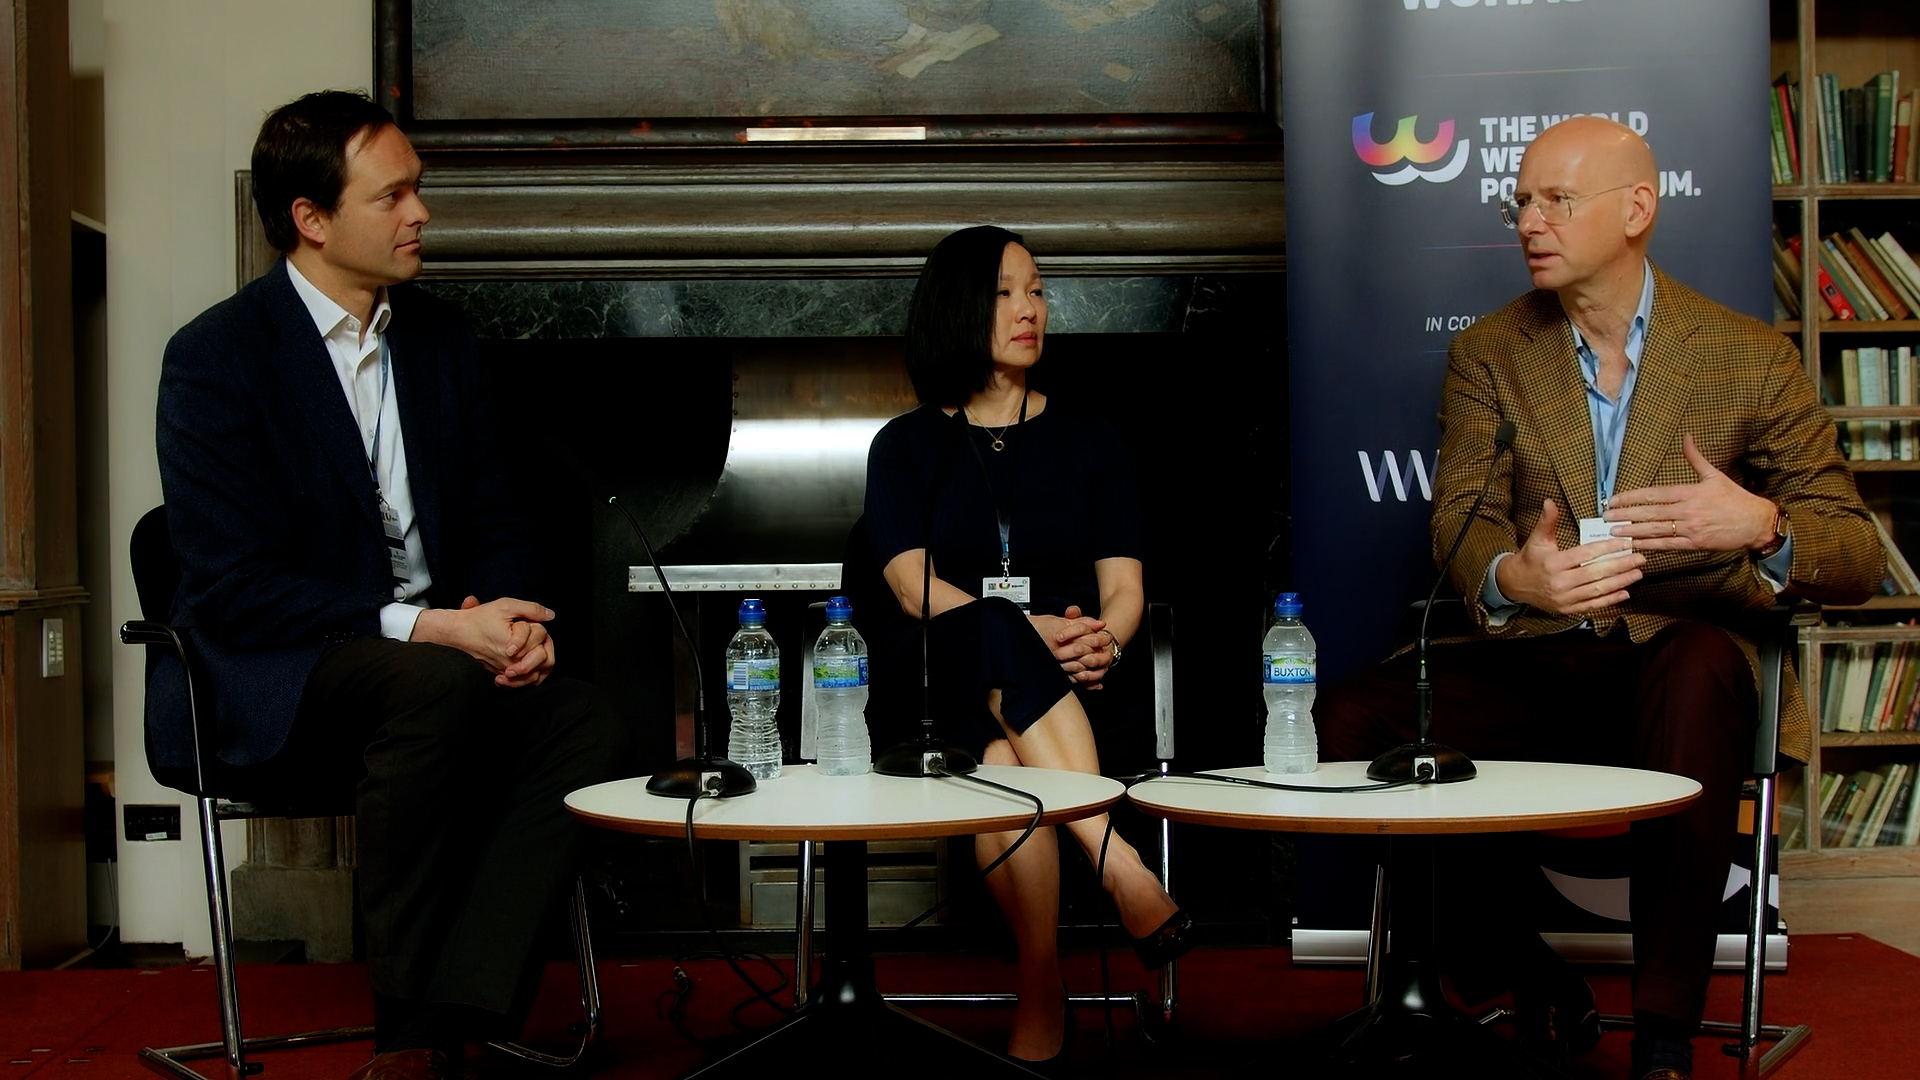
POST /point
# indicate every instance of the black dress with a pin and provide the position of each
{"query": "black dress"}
(1068, 494)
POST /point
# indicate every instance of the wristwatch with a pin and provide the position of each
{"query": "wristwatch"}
(1782, 530)
(1113, 643)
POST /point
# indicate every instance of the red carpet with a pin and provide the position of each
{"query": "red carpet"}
(1237, 1006)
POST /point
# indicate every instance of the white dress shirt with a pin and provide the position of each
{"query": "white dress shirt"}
(368, 385)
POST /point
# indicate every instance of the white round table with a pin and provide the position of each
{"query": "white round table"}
(1409, 1029)
(804, 804)
(845, 1021)
(1507, 796)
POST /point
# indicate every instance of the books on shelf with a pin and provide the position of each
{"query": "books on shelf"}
(1871, 376)
(1868, 686)
(1865, 133)
(1869, 278)
(1901, 580)
(1868, 808)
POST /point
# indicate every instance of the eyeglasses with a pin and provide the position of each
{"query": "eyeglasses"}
(1555, 209)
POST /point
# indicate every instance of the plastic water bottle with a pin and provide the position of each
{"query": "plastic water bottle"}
(753, 694)
(1290, 660)
(840, 689)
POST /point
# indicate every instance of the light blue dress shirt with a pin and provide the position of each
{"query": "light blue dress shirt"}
(1609, 417)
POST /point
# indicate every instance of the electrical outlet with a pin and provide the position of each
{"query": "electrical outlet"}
(153, 822)
(53, 648)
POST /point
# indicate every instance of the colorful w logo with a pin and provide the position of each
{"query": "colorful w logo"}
(1406, 146)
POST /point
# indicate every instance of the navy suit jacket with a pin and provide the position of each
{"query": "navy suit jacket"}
(273, 511)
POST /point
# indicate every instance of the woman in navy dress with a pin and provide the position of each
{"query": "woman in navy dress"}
(1030, 512)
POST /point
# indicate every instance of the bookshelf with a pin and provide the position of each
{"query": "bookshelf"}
(1852, 41)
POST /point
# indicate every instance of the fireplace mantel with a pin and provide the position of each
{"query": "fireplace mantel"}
(847, 219)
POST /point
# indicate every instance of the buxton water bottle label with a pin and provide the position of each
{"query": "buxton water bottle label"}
(840, 673)
(754, 675)
(1296, 670)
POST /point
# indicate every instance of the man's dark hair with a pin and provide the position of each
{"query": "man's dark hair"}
(950, 318)
(302, 153)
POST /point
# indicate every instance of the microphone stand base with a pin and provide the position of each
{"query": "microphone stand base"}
(918, 757)
(1404, 763)
(691, 778)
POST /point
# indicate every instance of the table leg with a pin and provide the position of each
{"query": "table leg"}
(845, 1021)
(1409, 1029)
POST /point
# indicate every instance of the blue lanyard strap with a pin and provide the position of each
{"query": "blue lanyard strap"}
(380, 411)
(1003, 508)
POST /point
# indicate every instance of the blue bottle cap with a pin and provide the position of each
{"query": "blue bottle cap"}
(1287, 605)
(753, 612)
(839, 609)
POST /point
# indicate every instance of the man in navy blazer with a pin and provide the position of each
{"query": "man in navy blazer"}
(358, 578)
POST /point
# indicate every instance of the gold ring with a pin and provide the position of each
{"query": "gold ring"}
(1673, 528)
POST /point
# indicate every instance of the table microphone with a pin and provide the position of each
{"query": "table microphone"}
(702, 774)
(1442, 764)
(928, 755)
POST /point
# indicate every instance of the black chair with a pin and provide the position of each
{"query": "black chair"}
(866, 588)
(210, 781)
(1776, 643)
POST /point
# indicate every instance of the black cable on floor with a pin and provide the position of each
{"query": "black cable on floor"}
(720, 949)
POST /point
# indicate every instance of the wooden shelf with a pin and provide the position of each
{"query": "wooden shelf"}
(1874, 412)
(1883, 466)
(1879, 603)
(1869, 738)
(1867, 191)
(1903, 861)
(1828, 635)
(1868, 326)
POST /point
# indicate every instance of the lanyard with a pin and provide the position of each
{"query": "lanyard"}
(1606, 461)
(1002, 508)
(380, 411)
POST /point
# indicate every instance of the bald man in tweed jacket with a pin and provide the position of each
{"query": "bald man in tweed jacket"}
(1685, 444)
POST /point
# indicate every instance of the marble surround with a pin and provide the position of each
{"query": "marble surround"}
(840, 307)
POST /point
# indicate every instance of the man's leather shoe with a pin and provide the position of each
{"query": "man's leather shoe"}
(405, 1065)
(1560, 1023)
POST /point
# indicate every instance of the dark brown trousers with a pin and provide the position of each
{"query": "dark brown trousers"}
(465, 850)
(1683, 702)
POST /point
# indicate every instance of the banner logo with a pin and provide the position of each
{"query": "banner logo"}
(1406, 146)
(1391, 473)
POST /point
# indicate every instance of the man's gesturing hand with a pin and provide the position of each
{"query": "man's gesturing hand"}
(505, 635)
(1715, 514)
(1542, 575)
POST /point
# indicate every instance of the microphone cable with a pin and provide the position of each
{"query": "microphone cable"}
(676, 1012)
(1039, 811)
(1423, 776)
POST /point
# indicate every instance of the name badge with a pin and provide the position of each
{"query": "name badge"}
(1594, 528)
(1017, 589)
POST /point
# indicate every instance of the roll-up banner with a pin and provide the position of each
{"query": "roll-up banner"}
(1406, 121)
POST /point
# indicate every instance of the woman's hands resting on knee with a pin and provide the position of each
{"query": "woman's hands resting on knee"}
(1083, 645)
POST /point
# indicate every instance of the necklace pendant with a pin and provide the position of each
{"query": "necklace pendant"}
(999, 444)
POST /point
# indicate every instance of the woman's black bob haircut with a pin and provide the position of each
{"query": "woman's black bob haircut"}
(950, 318)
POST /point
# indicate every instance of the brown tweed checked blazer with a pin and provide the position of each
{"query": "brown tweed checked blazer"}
(1730, 381)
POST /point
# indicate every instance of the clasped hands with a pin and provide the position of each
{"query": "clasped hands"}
(505, 635)
(1083, 645)
(1712, 514)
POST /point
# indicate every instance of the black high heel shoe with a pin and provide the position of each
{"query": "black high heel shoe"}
(1167, 944)
(1057, 1064)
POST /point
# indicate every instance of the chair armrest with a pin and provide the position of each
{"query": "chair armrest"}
(1160, 641)
(1780, 632)
(206, 739)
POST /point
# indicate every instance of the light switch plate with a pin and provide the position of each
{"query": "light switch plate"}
(53, 648)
